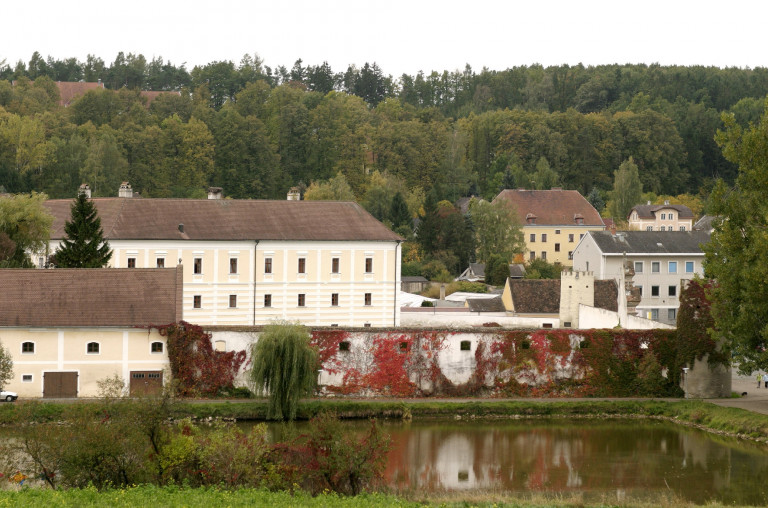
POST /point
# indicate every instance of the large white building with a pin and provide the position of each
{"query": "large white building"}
(249, 262)
(661, 260)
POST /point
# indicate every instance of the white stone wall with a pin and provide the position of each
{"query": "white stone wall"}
(591, 317)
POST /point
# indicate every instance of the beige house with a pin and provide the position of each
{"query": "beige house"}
(251, 262)
(661, 261)
(68, 329)
(553, 221)
(664, 217)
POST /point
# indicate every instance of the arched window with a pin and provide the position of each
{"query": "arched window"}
(156, 347)
(28, 347)
(92, 348)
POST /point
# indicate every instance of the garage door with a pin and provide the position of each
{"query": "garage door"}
(146, 382)
(59, 385)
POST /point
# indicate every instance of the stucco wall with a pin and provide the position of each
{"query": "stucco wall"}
(591, 317)
(704, 382)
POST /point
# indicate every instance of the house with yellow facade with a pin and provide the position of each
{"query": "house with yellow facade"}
(553, 221)
(251, 262)
(67, 329)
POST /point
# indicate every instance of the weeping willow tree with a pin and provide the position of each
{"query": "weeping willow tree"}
(284, 367)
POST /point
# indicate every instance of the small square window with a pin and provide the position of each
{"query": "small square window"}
(689, 267)
(368, 265)
(267, 265)
(220, 345)
(233, 265)
(655, 267)
(671, 314)
(131, 262)
(335, 265)
(654, 290)
(543, 237)
(557, 231)
(302, 300)
(160, 262)
(403, 346)
(26, 378)
(92, 348)
(533, 238)
(156, 347)
(302, 265)
(557, 247)
(638, 267)
(567, 324)
(334, 299)
(197, 302)
(344, 345)
(673, 267)
(466, 345)
(672, 290)
(28, 347)
(232, 301)
(546, 325)
(368, 299)
(197, 266)
(267, 300)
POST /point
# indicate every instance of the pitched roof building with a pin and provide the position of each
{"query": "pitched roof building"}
(553, 221)
(664, 217)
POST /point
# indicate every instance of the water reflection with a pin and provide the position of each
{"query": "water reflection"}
(632, 457)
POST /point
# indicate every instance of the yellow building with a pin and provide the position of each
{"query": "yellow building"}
(250, 262)
(68, 329)
(553, 221)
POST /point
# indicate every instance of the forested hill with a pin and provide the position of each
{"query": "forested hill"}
(256, 131)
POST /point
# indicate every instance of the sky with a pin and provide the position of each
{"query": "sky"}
(400, 36)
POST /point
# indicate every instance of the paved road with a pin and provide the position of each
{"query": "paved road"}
(756, 399)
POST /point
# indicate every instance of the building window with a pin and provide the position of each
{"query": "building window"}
(92, 348)
(673, 267)
(638, 267)
(302, 300)
(581, 236)
(344, 346)
(557, 247)
(570, 254)
(649, 228)
(543, 254)
(654, 290)
(368, 299)
(220, 345)
(197, 302)
(543, 237)
(26, 378)
(655, 314)
(232, 301)
(532, 256)
(533, 237)
(267, 265)
(161, 262)
(197, 266)
(587, 265)
(671, 216)
(640, 290)
(335, 265)
(368, 265)
(655, 267)
(567, 324)
(671, 314)
(663, 217)
(663, 228)
(334, 299)
(156, 347)
(672, 290)
(557, 231)
(232, 265)
(302, 265)
(466, 345)
(131, 262)
(682, 228)
(267, 300)
(570, 238)
(689, 267)
(28, 348)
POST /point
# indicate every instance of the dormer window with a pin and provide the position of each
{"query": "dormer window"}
(530, 218)
(578, 218)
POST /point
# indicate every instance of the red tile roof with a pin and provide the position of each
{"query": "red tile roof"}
(228, 219)
(70, 90)
(90, 297)
(551, 207)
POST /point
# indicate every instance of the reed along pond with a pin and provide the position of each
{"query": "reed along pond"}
(618, 459)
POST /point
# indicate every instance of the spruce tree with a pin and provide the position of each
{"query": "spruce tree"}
(84, 245)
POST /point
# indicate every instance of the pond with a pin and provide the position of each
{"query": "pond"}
(612, 459)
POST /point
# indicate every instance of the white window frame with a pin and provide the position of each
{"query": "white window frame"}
(34, 347)
(669, 266)
(162, 347)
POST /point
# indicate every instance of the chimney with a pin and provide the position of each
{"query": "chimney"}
(84, 189)
(215, 193)
(294, 194)
(125, 190)
(649, 202)
(666, 202)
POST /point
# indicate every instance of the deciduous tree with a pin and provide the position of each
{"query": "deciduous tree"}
(6, 366)
(627, 189)
(27, 228)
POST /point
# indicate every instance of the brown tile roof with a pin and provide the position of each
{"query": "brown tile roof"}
(485, 304)
(551, 207)
(542, 296)
(70, 90)
(90, 297)
(228, 219)
(151, 95)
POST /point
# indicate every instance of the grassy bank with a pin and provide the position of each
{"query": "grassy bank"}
(702, 414)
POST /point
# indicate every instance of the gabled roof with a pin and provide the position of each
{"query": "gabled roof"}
(542, 296)
(555, 207)
(90, 297)
(227, 219)
(650, 242)
(485, 304)
(70, 90)
(705, 223)
(649, 211)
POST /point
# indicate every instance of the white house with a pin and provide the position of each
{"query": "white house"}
(250, 262)
(661, 260)
(664, 217)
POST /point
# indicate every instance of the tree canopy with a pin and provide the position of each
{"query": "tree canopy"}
(25, 227)
(6, 366)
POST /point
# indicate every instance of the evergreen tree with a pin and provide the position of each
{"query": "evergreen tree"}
(398, 212)
(596, 199)
(84, 245)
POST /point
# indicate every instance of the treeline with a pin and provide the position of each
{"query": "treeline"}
(256, 131)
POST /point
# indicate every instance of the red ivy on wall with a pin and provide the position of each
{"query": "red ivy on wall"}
(198, 369)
